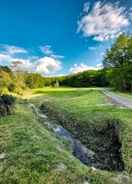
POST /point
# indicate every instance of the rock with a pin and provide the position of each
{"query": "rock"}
(2, 156)
(42, 116)
(122, 179)
(61, 167)
(86, 182)
(83, 154)
(93, 169)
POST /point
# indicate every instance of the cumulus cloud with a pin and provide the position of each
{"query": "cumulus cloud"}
(8, 56)
(77, 68)
(47, 65)
(48, 51)
(103, 21)
(24, 65)
(5, 59)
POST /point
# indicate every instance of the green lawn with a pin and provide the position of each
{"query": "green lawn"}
(31, 154)
(128, 95)
(91, 107)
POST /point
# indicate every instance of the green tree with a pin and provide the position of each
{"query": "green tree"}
(120, 53)
(118, 60)
(33, 80)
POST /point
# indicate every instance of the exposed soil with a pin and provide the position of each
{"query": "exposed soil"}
(101, 137)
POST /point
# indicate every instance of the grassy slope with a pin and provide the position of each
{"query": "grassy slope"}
(90, 106)
(32, 155)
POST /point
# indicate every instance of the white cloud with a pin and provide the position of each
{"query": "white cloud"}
(47, 65)
(5, 59)
(99, 66)
(8, 53)
(8, 57)
(56, 56)
(104, 21)
(11, 49)
(77, 68)
(18, 64)
(47, 50)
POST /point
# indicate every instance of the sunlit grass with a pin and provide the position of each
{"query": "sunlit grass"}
(34, 155)
(125, 94)
(89, 105)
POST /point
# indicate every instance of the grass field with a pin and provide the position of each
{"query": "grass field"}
(128, 95)
(89, 106)
(29, 153)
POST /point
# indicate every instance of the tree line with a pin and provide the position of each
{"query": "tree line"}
(17, 82)
(117, 73)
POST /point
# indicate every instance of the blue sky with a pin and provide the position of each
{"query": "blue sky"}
(60, 36)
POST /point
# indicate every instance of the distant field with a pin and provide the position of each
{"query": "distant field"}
(81, 102)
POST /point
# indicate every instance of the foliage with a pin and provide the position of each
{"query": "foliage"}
(17, 82)
(118, 60)
(11, 81)
(33, 80)
(121, 52)
(121, 78)
(5, 78)
(86, 79)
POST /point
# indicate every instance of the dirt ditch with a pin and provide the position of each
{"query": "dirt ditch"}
(103, 138)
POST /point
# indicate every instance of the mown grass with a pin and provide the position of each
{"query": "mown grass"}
(92, 107)
(125, 94)
(33, 155)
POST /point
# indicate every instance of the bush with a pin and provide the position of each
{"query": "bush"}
(6, 104)
(121, 78)
(11, 87)
(18, 90)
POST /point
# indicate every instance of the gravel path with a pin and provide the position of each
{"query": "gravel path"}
(119, 100)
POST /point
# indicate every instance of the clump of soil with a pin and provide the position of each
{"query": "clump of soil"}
(102, 137)
(108, 146)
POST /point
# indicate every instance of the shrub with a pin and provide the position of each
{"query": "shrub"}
(6, 104)
(11, 87)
